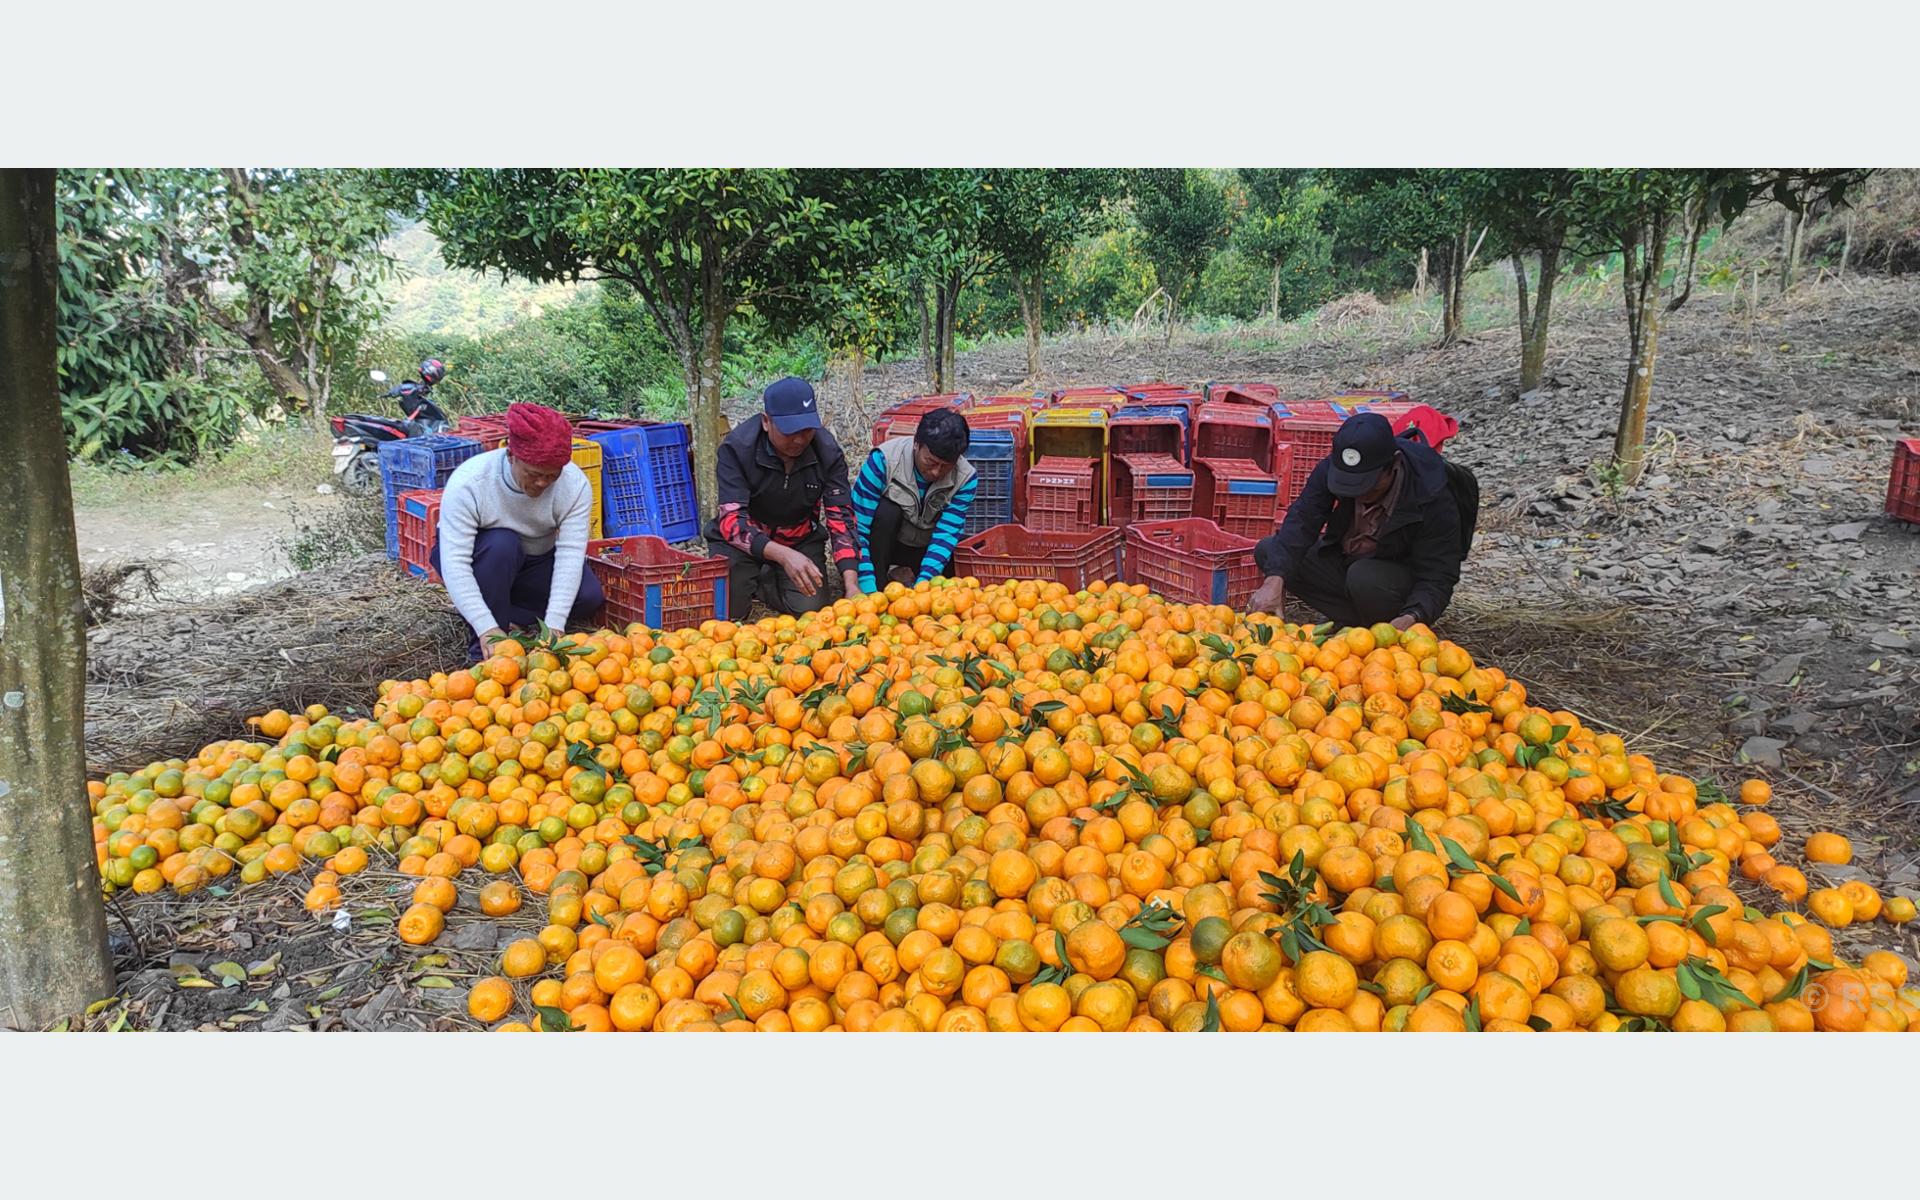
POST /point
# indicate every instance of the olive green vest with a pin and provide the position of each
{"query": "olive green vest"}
(919, 513)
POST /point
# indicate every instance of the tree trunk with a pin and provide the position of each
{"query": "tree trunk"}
(1533, 336)
(1642, 283)
(1448, 268)
(54, 959)
(1173, 317)
(946, 296)
(928, 355)
(1790, 252)
(1846, 246)
(1420, 276)
(1033, 294)
(856, 381)
(1273, 295)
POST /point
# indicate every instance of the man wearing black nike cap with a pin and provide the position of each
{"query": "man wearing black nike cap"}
(783, 506)
(1374, 536)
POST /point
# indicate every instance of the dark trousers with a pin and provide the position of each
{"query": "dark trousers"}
(884, 549)
(516, 584)
(750, 579)
(1358, 591)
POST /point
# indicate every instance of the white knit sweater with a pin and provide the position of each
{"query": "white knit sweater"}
(480, 495)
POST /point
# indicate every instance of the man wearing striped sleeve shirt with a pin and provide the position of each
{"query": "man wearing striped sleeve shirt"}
(910, 502)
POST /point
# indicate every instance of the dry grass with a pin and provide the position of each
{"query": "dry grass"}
(163, 685)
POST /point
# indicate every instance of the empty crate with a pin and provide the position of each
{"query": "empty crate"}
(1192, 561)
(648, 582)
(1064, 493)
(1149, 487)
(1074, 558)
(647, 483)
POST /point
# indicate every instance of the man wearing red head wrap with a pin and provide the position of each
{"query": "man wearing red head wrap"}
(513, 532)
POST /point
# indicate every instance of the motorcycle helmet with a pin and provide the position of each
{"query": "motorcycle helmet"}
(433, 371)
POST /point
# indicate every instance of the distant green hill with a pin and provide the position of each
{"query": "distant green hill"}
(433, 299)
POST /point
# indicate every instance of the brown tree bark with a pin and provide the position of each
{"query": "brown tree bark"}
(54, 959)
(928, 354)
(1273, 296)
(946, 301)
(1643, 263)
(1032, 287)
(1534, 320)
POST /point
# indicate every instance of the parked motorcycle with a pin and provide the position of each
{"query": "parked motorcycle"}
(357, 436)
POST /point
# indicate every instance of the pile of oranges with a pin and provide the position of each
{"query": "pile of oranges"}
(1015, 807)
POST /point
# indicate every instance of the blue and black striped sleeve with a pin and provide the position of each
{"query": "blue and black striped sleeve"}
(867, 490)
(946, 534)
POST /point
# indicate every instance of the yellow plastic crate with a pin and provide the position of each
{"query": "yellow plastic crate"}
(586, 456)
(1072, 432)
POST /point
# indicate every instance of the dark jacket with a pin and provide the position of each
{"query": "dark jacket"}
(758, 500)
(1422, 532)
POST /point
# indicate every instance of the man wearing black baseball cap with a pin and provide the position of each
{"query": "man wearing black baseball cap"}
(783, 506)
(1376, 534)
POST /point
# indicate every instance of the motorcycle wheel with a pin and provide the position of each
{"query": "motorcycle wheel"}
(362, 474)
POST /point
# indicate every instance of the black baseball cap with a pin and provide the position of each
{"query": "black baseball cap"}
(1362, 448)
(791, 404)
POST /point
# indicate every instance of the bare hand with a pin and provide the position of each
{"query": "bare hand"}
(802, 572)
(1405, 621)
(850, 583)
(492, 637)
(902, 575)
(1271, 595)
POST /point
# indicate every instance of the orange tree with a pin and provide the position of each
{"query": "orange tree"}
(1642, 215)
(698, 245)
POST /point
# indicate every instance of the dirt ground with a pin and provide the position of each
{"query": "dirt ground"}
(1746, 611)
(206, 543)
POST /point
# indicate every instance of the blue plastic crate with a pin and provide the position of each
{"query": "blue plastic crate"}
(646, 483)
(422, 462)
(992, 496)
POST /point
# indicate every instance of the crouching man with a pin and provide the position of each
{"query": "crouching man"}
(513, 532)
(781, 488)
(911, 502)
(1375, 536)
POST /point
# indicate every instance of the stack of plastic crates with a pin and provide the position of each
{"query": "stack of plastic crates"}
(1233, 480)
(419, 512)
(1022, 402)
(647, 483)
(1192, 562)
(1903, 484)
(1149, 487)
(997, 451)
(648, 582)
(1075, 557)
(410, 464)
(1066, 483)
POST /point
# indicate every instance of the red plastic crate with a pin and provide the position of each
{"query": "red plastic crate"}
(418, 512)
(1259, 394)
(588, 427)
(489, 429)
(1075, 557)
(1234, 431)
(1064, 493)
(648, 582)
(1903, 484)
(1192, 561)
(1147, 429)
(1018, 401)
(1236, 494)
(1149, 487)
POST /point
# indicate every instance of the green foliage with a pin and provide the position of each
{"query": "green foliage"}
(176, 284)
(1104, 278)
(1182, 214)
